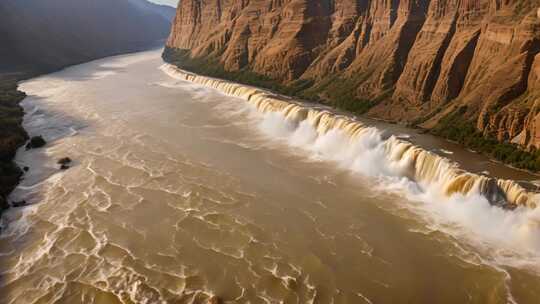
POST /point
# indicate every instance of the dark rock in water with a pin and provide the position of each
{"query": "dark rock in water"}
(36, 142)
(18, 204)
(215, 300)
(64, 161)
(26, 168)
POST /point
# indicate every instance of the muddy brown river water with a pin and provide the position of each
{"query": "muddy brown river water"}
(179, 192)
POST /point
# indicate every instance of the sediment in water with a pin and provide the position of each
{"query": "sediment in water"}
(404, 159)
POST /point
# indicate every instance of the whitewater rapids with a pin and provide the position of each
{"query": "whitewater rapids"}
(353, 142)
(454, 196)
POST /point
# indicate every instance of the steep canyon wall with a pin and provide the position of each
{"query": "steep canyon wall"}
(420, 60)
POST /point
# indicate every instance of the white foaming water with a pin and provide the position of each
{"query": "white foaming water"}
(517, 231)
(453, 200)
(103, 74)
(446, 151)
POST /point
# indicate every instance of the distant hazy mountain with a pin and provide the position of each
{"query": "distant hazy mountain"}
(44, 35)
(165, 11)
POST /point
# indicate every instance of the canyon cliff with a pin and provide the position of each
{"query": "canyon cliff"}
(418, 62)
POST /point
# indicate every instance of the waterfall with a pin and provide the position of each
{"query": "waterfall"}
(403, 158)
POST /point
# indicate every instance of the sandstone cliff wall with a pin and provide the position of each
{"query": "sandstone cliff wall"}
(421, 59)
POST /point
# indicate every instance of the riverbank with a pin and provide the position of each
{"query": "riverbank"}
(12, 136)
(339, 93)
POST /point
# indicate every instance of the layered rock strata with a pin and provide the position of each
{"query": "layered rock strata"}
(420, 59)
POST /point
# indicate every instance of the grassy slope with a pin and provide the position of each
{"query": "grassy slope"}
(341, 93)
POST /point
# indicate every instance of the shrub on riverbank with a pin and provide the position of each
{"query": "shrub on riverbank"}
(455, 128)
(12, 136)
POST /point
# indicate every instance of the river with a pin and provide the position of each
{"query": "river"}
(178, 192)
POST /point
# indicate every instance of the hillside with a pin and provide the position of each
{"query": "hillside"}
(43, 35)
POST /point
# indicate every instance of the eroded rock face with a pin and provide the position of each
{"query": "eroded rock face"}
(421, 58)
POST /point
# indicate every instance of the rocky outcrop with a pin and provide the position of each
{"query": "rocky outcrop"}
(419, 59)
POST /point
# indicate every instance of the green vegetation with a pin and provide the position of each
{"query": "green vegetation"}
(12, 136)
(341, 93)
(455, 127)
(211, 67)
(335, 91)
(524, 7)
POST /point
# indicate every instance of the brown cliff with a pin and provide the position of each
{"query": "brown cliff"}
(420, 60)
